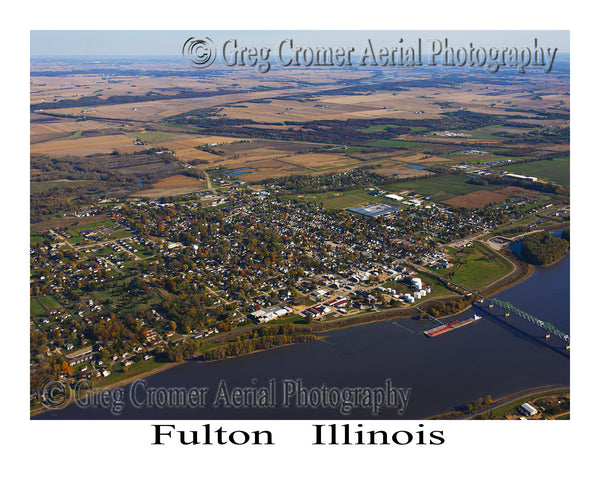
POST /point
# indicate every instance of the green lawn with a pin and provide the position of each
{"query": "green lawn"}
(124, 233)
(500, 412)
(35, 308)
(35, 238)
(49, 303)
(437, 288)
(482, 266)
(92, 225)
(135, 369)
(344, 201)
(103, 295)
(487, 133)
(75, 235)
(556, 170)
(291, 318)
(442, 187)
(352, 199)
(347, 199)
(154, 136)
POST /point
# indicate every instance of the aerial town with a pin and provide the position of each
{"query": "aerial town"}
(170, 223)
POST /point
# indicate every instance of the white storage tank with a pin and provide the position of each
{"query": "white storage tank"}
(428, 289)
(417, 295)
(411, 300)
(417, 283)
(422, 292)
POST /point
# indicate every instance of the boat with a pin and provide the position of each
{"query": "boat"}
(453, 325)
(437, 330)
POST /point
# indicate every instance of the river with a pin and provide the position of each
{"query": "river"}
(494, 356)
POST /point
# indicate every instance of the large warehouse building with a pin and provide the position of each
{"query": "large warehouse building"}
(376, 209)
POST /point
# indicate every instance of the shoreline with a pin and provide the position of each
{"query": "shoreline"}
(499, 402)
(556, 261)
(521, 272)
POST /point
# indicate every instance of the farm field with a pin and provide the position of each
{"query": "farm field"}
(476, 199)
(185, 150)
(263, 169)
(322, 161)
(156, 110)
(73, 86)
(292, 111)
(460, 157)
(395, 143)
(353, 199)
(318, 163)
(440, 188)
(397, 169)
(82, 146)
(489, 194)
(43, 186)
(281, 157)
(556, 170)
(175, 185)
(43, 128)
(154, 136)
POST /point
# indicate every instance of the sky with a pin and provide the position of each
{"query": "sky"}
(170, 42)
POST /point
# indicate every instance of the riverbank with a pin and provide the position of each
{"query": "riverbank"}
(562, 257)
(516, 398)
(521, 272)
(120, 383)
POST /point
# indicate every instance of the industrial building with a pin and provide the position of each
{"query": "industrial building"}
(318, 294)
(521, 177)
(528, 410)
(376, 209)
(393, 196)
(266, 315)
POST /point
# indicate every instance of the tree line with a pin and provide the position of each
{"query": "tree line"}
(449, 307)
(265, 337)
(516, 182)
(541, 248)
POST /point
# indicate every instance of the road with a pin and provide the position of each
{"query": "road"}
(516, 396)
(209, 184)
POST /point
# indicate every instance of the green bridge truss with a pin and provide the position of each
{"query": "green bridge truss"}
(540, 323)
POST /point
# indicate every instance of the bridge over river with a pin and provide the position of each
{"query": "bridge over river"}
(510, 308)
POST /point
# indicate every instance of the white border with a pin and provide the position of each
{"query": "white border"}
(482, 449)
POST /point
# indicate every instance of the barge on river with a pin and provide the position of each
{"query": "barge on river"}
(448, 327)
